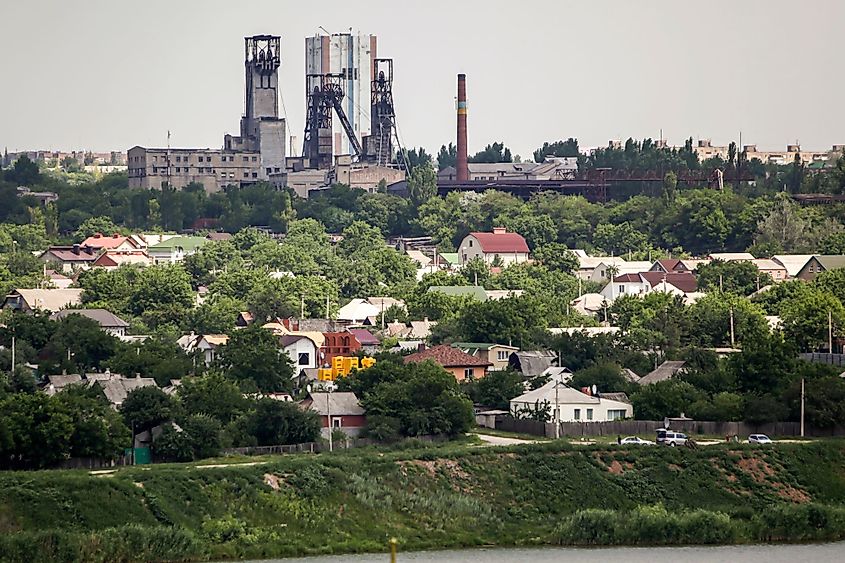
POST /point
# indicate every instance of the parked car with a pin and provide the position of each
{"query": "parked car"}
(671, 438)
(759, 439)
(636, 441)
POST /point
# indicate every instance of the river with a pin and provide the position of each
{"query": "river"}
(815, 553)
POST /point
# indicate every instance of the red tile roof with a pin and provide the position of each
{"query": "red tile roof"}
(684, 281)
(669, 264)
(501, 242)
(635, 278)
(100, 241)
(67, 253)
(447, 357)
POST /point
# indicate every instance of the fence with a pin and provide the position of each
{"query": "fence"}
(824, 358)
(645, 427)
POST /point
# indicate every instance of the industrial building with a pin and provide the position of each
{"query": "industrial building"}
(256, 154)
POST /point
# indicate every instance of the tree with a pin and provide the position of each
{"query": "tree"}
(24, 172)
(805, 318)
(212, 395)
(556, 256)
(425, 400)
(606, 376)
(98, 431)
(274, 422)
(738, 277)
(37, 431)
(203, 433)
(670, 185)
(710, 320)
(495, 152)
(161, 294)
(173, 444)
(422, 184)
(664, 399)
(416, 157)
(447, 156)
(568, 147)
(496, 389)
(784, 228)
(252, 357)
(146, 407)
(93, 225)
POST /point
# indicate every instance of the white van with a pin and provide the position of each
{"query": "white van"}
(670, 438)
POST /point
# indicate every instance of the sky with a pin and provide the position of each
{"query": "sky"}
(111, 74)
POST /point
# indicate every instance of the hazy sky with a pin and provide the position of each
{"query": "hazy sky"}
(110, 74)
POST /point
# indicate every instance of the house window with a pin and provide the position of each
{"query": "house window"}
(467, 373)
(615, 414)
(502, 355)
(589, 414)
(246, 174)
(337, 422)
(621, 289)
(304, 358)
(255, 159)
(470, 242)
(577, 415)
(255, 174)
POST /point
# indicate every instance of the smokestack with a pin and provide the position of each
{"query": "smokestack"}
(461, 163)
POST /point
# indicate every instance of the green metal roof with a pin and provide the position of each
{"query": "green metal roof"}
(451, 257)
(187, 243)
(458, 290)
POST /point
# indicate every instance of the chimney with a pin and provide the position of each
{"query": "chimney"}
(98, 235)
(76, 249)
(461, 168)
(499, 230)
(421, 347)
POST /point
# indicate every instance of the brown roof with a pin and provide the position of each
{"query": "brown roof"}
(447, 357)
(73, 253)
(684, 281)
(669, 264)
(219, 236)
(629, 278)
(103, 317)
(501, 242)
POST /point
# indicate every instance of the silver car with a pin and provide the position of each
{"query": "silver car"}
(759, 439)
(671, 438)
(635, 441)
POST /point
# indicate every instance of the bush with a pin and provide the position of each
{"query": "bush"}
(173, 445)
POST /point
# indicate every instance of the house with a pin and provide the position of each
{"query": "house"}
(56, 383)
(677, 265)
(591, 331)
(303, 352)
(532, 363)
(108, 321)
(625, 284)
(664, 371)
(457, 362)
(57, 280)
(113, 242)
(774, 269)
(572, 405)
(499, 247)
(245, 318)
(497, 355)
(219, 237)
(359, 311)
(606, 270)
(731, 256)
(587, 265)
(820, 263)
(369, 343)
(111, 259)
(677, 283)
(175, 249)
(28, 300)
(589, 303)
(70, 258)
(342, 343)
(208, 344)
(115, 387)
(792, 263)
(337, 411)
(499, 294)
(476, 292)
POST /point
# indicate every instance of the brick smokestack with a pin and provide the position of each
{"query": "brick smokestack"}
(461, 164)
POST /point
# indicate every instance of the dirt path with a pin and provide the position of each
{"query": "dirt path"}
(502, 441)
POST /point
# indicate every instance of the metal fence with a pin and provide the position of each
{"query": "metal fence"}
(824, 358)
(645, 427)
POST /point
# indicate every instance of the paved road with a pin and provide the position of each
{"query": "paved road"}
(502, 441)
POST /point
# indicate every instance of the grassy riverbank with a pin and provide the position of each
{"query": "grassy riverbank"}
(446, 496)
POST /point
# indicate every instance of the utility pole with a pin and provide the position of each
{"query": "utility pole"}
(557, 409)
(802, 407)
(302, 306)
(720, 282)
(830, 331)
(327, 307)
(329, 416)
(13, 355)
(732, 327)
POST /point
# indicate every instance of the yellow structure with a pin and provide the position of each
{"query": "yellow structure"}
(343, 366)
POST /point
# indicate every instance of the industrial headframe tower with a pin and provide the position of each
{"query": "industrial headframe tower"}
(261, 128)
(325, 94)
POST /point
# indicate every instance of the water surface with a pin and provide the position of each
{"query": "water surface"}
(815, 553)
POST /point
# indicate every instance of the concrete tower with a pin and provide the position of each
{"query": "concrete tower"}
(261, 128)
(351, 57)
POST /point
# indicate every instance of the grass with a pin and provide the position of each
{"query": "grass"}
(427, 495)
